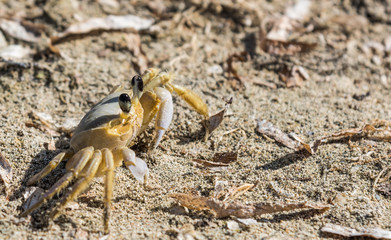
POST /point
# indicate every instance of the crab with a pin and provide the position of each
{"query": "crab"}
(101, 141)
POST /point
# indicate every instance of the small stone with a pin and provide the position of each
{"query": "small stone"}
(233, 225)
(215, 69)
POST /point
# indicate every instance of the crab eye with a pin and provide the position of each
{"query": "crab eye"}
(138, 81)
(124, 102)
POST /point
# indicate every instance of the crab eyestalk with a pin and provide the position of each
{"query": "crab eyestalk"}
(138, 87)
(125, 104)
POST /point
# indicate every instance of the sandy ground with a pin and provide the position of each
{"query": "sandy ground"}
(194, 41)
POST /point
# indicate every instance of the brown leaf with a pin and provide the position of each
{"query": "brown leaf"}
(377, 233)
(225, 157)
(267, 128)
(214, 121)
(5, 172)
(222, 209)
(109, 23)
(17, 30)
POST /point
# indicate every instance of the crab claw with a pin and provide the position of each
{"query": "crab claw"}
(137, 166)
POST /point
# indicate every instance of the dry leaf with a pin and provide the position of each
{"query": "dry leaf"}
(32, 195)
(17, 30)
(267, 128)
(222, 209)
(350, 232)
(225, 157)
(5, 172)
(214, 121)
(108, 23)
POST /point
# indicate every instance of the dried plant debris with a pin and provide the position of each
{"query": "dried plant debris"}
(378, 130)
(5, 172)
(294, 76)
(219, 159)
(268, 129)
(109, 23)
(222, 209)
(42, 121)
(241, 57)
(17, 30)
(377, 233)
(275, 32)
(214, 121)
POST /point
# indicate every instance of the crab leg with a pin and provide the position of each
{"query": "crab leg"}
(88, 175)
(80, 158)
(50, 167)
(137, 166)
(164, 115)
(192, 99)
(108, 160)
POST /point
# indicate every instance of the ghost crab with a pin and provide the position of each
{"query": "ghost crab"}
(101, 141)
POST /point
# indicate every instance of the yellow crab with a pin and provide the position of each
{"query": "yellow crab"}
(101, 141)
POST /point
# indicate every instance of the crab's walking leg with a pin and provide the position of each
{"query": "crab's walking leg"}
(50, 167)
(109, 173)
(79, 160)
(136, 165)
(88, 175)
(191, 98)
(164, 115)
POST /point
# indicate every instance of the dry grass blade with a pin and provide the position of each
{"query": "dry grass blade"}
(214, 121)
(350, 232)
(5, 172)
(109, 23)
(267, 128)
(17, 30)
(222, 209)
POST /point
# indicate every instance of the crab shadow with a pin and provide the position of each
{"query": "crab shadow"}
(286, 160)
(38, 162)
